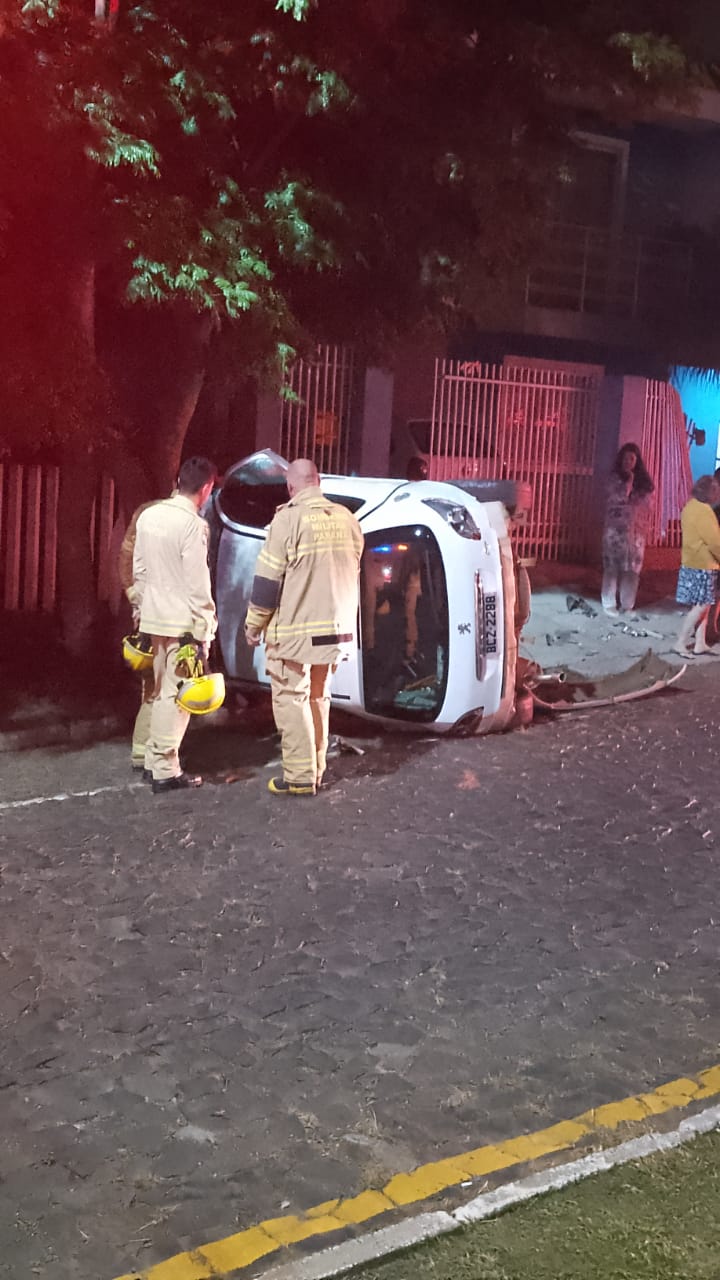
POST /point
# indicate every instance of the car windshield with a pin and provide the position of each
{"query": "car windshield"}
(404, 621)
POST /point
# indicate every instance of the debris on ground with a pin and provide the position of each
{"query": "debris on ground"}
(572, 691)
(639, 632)
(344, 746)
(577, 602)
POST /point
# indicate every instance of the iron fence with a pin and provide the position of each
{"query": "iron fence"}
(30, 533)
(520, 422)
(664, 447)
(316, 420)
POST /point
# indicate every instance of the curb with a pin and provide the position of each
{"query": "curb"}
(378, 1245)
(69, 733)
(407, 1191)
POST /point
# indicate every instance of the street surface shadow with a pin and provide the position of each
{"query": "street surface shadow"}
(234, 747)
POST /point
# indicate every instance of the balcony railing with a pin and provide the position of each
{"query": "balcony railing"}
(632, 277)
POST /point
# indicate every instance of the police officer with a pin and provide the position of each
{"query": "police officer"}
(304, 602)
(171, 582)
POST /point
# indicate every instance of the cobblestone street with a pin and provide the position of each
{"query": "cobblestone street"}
(220, 1007)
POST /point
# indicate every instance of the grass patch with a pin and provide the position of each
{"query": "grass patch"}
(658, 1219)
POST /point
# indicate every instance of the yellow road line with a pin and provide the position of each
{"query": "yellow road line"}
(238, 1251)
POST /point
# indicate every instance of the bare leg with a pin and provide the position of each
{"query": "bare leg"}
(688, 627)
(609, 591)
(713, 623)
(701, 644)
(629, 583)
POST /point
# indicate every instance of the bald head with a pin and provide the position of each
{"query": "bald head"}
(301, 474)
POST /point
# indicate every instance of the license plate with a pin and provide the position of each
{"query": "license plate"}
(490, 623)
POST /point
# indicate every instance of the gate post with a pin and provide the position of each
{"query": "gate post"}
(376, 423)
(268, 421)
(632, 417)
(611, 410)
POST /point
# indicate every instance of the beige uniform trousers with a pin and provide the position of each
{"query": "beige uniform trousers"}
(168, 721)
(141, 728)
(301, 707)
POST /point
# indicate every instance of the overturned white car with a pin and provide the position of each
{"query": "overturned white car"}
(437, 642)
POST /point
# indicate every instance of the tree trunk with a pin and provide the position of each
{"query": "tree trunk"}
(77, 570)
(156, 359)
(187, 338)
(159, 366)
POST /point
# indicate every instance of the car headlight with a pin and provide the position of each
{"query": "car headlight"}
(457, 517)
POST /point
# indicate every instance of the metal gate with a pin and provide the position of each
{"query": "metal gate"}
(522, 422)
(316, 420)
(663, 445)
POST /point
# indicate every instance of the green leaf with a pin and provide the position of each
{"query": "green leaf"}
(43, 10)
(298, 9)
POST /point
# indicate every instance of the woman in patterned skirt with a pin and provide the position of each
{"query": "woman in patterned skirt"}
(699, 572)
(627, 516)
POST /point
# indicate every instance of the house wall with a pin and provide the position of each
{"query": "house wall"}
(414, 372)
(610, 414)
(673, 175)
(700, 394)
(701, 182)
(657, 174)
(377, 409)
(673, 178)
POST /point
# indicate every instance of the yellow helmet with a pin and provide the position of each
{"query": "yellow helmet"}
(137, 651)
(202, 694)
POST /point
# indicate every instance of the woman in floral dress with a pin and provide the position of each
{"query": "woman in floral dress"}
(627, 517)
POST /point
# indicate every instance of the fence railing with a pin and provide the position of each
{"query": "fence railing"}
(596, 272)
(507, 421)
(30, 533)
(316, 424)
(522, 423)
(663, 444)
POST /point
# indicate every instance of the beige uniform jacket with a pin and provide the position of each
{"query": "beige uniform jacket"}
(170, 570)
(126, 554)
(305, 592)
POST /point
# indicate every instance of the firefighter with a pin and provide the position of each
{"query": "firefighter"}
(304, 603)
(141, 728)
(171, 581)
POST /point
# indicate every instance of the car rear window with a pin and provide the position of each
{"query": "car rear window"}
(345, 500)
(250, 504)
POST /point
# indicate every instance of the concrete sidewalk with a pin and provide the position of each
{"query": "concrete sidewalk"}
(568, 627)
(53, 700)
